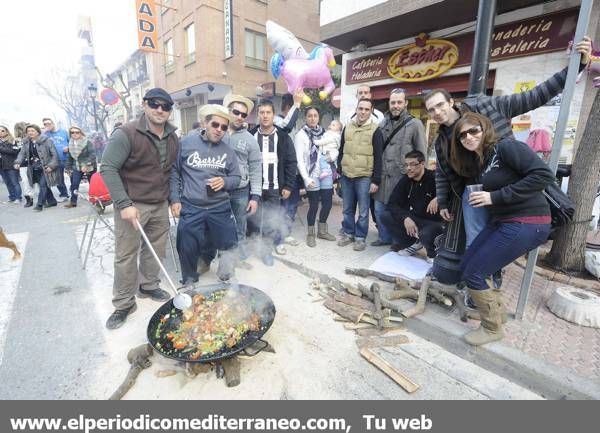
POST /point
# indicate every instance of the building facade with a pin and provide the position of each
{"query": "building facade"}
(209, 48)
(529, 44)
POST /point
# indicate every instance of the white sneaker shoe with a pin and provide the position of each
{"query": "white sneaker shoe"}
(62, 199)
(280, 249)
(410, 251)
(290, 240)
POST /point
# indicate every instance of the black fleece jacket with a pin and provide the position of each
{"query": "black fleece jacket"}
(515, 177)
(411, 197)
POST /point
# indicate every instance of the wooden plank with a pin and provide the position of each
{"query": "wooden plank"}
(395, 374)
(355, 301)
(353, 314)
(357, 326)
(381, 341)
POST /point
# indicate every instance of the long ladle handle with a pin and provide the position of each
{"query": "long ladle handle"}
(162, 268)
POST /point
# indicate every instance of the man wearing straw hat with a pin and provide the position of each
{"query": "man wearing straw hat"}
(136, 166)
(245, 198)
(205, 170)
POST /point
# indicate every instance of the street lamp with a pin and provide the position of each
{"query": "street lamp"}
(93, 91)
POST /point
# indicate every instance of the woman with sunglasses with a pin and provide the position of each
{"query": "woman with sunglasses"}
(42, 165)
(8, 153)
(318, 184)
(81, 161)
(512, 179)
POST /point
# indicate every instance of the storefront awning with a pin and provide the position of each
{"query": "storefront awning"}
(398, 19)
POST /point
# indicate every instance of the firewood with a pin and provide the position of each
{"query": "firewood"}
(381, 341)
(353, 314)
(365, 273)
(371, 331)
(354, 301)
(420, 307)
(232, 371)
(357, 326)
(395, 374)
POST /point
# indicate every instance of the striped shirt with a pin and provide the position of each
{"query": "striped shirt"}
(268, 148)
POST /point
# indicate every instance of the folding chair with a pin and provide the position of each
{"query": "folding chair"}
(99, 198)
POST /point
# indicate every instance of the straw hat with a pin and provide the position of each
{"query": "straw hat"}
(229, 99)
(215, 110)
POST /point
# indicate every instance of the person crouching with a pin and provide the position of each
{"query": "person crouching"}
(205, 169)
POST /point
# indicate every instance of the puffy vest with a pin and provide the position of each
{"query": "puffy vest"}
(358, 150)
(145, 179)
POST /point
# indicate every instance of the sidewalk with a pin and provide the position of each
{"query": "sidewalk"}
(542, 351)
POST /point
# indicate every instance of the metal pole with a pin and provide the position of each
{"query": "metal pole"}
(561, 124)
(95, 114)
(481, 51)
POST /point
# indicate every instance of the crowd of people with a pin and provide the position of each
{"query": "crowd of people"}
(228, 184)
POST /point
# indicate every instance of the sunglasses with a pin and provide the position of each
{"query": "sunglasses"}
(74, 132)
(239, 113)
(216, 125)
(164, 105)
(473, 131)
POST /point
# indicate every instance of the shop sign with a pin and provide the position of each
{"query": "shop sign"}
(531, 36)
(423, 60)
(146, 19)
(228, 27)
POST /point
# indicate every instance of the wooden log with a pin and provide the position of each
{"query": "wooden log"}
(355, 301)
(395, 374)
(420, 307)
(371, 331)
(405, 293)
(348, 312)
(365, 273)
(232, 371)
(381, 341)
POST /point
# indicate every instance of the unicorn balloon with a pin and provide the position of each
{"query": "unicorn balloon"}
(299, 69)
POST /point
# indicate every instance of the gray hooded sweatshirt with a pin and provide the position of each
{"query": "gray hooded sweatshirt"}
(199, 160)
(250, 160)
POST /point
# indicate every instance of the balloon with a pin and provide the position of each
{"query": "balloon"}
(299, 69)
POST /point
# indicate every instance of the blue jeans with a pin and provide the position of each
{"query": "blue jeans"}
(291, 205)
(200, 233)
(62, 188)
(76, 177)
(384, 233)
(239, 202)
(356, 191)
(11, 179)
(475, 219)
(498, 244)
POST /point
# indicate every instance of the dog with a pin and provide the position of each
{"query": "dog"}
(5, 243)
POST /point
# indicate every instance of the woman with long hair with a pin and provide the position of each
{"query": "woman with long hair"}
(42, 165)
(511, 179)
(81, 161)
(8, 153)
(318, 182)
(26, 188)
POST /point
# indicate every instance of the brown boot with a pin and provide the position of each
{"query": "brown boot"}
(311, 240)
(324, 234)
(491, 323)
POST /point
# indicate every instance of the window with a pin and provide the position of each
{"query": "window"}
(256, 51)
(169, 60)
(190, 44)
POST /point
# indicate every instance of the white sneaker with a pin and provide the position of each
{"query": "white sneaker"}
(62, 199)
(280, 249)
(429, 260)
(410, 251)
(290, 240)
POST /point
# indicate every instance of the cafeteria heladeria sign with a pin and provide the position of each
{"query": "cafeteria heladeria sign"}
(422, 60)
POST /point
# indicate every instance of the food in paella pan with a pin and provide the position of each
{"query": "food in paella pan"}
(216, 321)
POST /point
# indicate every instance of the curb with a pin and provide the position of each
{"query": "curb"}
(548, 380)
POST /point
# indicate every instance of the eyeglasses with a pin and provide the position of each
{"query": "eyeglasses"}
(239, 113)
(216, 125)
(164, 105)
(75, 132)
(47, 123)
(412, 164)
(472, 131)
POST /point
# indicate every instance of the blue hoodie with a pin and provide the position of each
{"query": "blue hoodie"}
(198, 160)
(60, 138)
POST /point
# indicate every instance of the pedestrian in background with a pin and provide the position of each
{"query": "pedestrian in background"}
(42, 165)
(26, 188)
(81, 161)
(60, 138)
(9, 151)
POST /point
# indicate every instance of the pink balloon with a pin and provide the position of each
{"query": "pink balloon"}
(310, 73)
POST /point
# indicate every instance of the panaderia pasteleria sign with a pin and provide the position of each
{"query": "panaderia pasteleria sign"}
(422, 60)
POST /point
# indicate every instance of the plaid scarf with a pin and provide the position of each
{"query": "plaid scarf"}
(313, 134)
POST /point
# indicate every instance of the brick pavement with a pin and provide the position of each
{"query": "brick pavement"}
(541, 334)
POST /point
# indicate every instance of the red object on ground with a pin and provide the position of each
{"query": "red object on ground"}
(98, 190)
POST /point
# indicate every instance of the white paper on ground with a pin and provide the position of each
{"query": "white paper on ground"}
(395, 265)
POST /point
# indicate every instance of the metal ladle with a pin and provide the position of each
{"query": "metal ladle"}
(181, 301)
